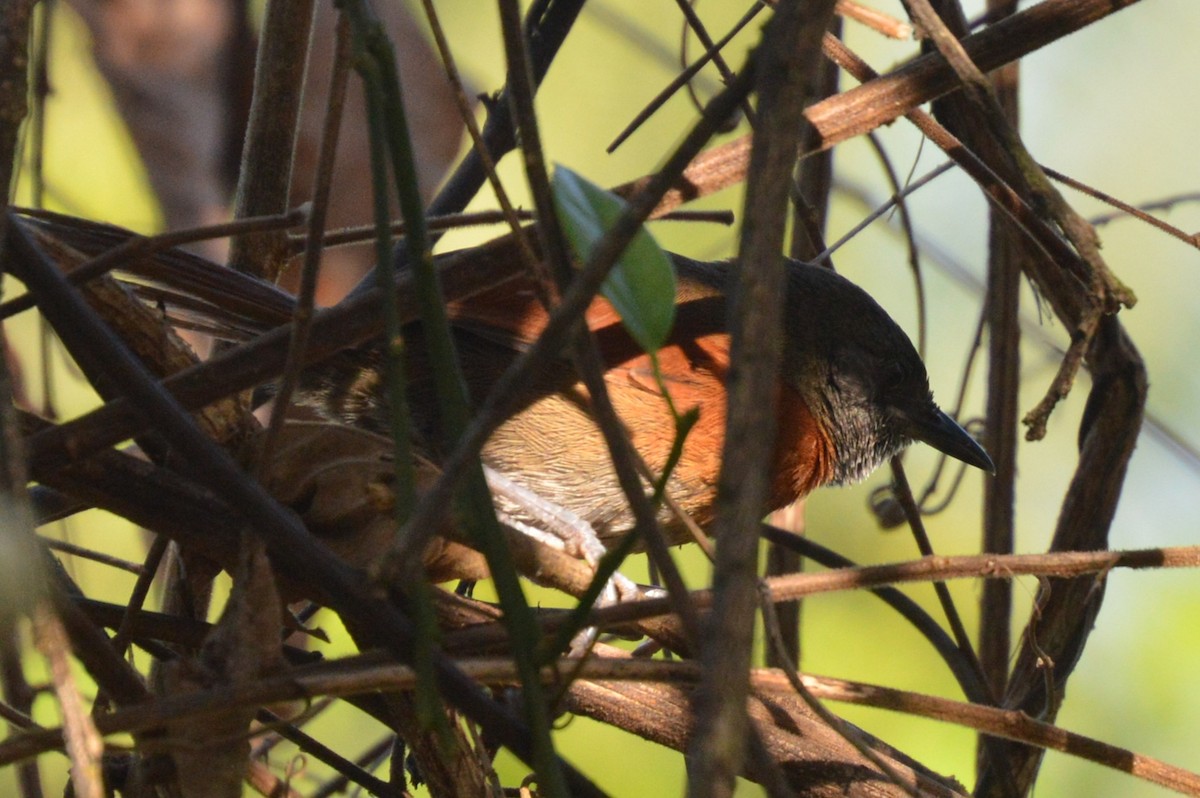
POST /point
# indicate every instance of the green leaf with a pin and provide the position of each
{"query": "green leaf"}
(641, 285)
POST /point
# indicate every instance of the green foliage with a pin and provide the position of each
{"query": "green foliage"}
(642, 284)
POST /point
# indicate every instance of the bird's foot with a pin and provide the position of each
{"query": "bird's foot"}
(562, 529)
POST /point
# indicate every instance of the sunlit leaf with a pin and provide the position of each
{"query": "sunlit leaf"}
(642, 284)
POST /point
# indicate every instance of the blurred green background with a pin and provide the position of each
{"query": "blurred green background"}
(1111, 106)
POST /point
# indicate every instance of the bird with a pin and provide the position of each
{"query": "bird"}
(852, 389)
(852, 393)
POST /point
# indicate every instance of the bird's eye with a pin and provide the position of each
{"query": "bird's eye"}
(892, 377)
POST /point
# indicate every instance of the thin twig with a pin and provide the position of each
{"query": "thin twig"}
(693, 22)
(682, 79)
(91, 554)
(1192, 239)
(355, 235)
(141, 589)
(922, 621)
(83, 742)
(338, 784)
(323, 753)
(899, 195)
(1081, 338)
(848, 732)
(507, 209)
(912, 513)
(307, 294)
(883, 208)
(1061, 564)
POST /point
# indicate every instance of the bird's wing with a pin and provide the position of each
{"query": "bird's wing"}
(512, 314)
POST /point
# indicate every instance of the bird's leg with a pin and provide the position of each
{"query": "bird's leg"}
(560, 528)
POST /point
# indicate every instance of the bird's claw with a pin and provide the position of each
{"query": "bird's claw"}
(562, 529)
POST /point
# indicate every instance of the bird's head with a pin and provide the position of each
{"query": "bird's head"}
(861, 377)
